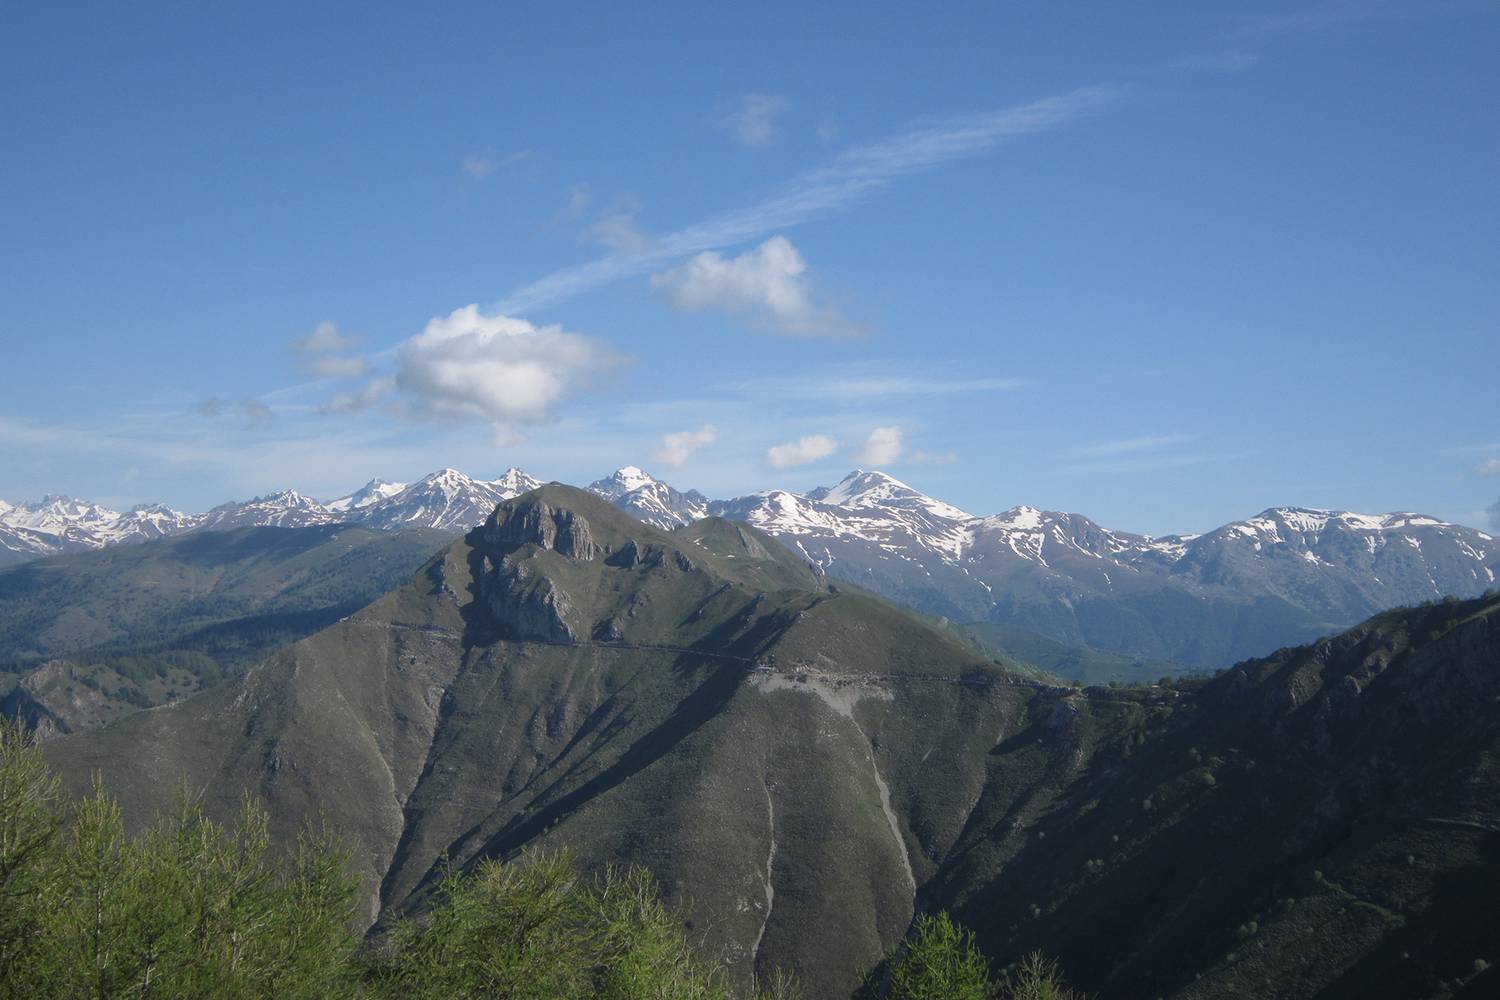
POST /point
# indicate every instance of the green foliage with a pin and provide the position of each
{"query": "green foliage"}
(941, 962)
(194, 908)
(189, 908)
(1036, 978)
(536, 929)
(30, 825)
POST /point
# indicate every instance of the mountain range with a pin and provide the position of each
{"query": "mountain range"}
(805, 768)
(446, 500)
(1284, 576)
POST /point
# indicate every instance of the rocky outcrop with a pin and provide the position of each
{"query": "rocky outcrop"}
(562, 531)
(526, 606)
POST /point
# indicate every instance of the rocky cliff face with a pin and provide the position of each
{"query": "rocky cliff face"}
(536, 524)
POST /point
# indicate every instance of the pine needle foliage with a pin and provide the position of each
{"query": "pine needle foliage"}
(194, 908)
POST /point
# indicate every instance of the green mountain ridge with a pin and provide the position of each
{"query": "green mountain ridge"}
(87, 638)
(806, 768)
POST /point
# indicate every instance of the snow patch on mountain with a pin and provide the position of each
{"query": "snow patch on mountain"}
(372, 492)
(648, 499)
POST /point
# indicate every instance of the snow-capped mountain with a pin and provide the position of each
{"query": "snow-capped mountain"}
(1285, 575)
(447, 500)
(57, 524)
(372, 492)
(649, 499)
(864, 508)
(286, 509)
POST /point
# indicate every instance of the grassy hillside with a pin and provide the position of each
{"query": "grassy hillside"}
(804, 770)
(1068, 660)
(1322, 822)
(132, 626)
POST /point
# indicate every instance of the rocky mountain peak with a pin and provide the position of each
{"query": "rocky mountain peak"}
(626, 479)
(515, 482)
(874, 489)
(538, 523)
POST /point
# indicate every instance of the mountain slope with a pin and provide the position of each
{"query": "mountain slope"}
(566, 674)
(1319, 823)
(180, 611)
(804, 768)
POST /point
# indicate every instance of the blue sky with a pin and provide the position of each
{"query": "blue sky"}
(1163, 264)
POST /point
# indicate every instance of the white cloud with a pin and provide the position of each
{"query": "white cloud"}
(934, 457)
(801, 451)
(882, 447)
(677, 448)
(326, 337)
(470, 365)
(856, 174)
(753, 118)
(254, 412)
(1490, 468)
(865, 381)
(338, 366)
(352, 402)
(483, 164)
(770, 282)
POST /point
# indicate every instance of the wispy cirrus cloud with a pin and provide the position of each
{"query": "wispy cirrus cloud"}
(254, 412)
(320, 359)
(326, 337)
(482, 165)
(618, 229)
(1136, 445)
(1490, 468)
(867, 383)
(1330, 14)
(752, 118)
(1143, 453)
(337, 366)
(856, 174)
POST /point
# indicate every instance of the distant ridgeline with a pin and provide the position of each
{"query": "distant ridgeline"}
(88, 638)
(1285, 576)
(805, 769)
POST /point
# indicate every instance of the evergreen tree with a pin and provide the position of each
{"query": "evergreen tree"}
(30, 829)
(941, 962)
